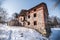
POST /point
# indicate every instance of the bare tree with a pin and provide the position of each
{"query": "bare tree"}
(55, 21)
(3, 15)
(14, 15)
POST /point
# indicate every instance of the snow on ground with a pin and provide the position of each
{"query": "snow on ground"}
(55, 28)
(20, 33)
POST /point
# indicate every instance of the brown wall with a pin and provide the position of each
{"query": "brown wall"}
(39, 18)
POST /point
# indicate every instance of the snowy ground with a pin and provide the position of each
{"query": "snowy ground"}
(19, 33)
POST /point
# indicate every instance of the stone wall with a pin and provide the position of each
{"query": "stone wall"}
(40, 19)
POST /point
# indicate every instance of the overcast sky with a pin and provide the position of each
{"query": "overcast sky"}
(13, 6)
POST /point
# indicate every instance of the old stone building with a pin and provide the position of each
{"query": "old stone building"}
(35, 18)
(21, 17)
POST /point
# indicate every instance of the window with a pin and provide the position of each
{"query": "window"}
(34, 14)
(28, 23)
(34, 9)
(24, 18)
(28, 16)
(35, 23)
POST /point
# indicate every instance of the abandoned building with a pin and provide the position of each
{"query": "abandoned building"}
(35, 18)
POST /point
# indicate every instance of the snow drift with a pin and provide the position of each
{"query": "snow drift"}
(20, 33)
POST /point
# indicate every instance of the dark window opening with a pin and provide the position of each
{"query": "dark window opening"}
(28, 12)
(35, 15)
(24, 18)
(34, 9)
(28, 16)
(28, 23)
(35, 23)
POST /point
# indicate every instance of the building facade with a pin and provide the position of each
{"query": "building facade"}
(35, 18)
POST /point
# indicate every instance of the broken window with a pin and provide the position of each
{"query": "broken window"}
(28, 16)
(35, 22)
(28, 23)
(34, 14)
(34, 9)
